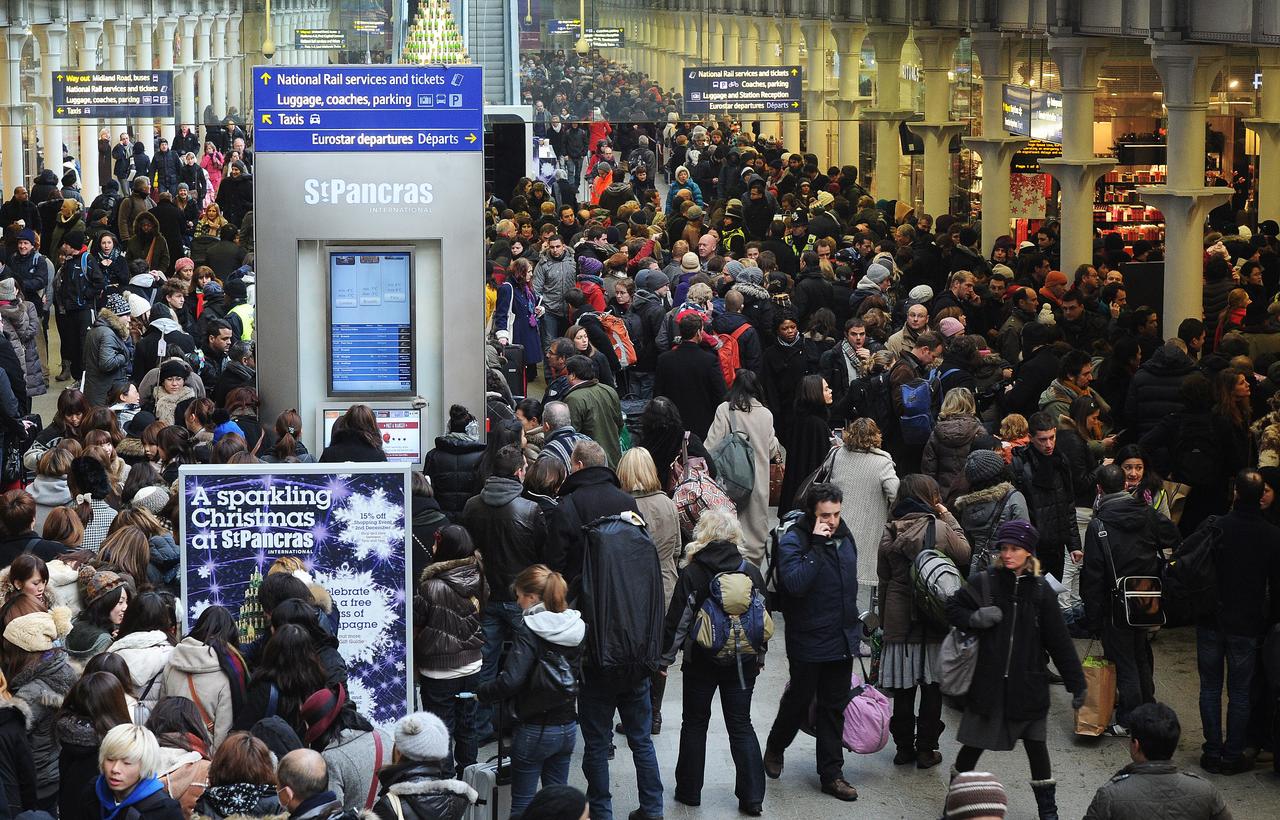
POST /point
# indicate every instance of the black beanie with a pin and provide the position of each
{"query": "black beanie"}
(556, 803)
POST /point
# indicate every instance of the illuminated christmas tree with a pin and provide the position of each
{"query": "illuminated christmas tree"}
(252, 620)
(433, 37)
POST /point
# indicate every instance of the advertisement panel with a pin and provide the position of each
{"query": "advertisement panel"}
(401, 424)
(347, 524)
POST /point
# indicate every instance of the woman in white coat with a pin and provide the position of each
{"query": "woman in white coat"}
(866, 476)
(145, 643)
(744, 412)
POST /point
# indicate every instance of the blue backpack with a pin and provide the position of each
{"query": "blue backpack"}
(733, 620)
(917, 412)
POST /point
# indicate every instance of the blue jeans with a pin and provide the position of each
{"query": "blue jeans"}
(701, 680)
(440, 697)
(539, 752)
(500, 621)
(597, 703)
(1240, 654)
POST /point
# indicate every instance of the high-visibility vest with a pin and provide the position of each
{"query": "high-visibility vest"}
(244, 312)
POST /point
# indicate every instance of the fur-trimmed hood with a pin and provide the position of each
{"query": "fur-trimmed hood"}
(410, 787)
(117, 323)
(985, 496)
(751, 291)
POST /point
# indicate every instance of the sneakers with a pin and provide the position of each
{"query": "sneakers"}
(772, 763)
(1116, 730)
(840, 790)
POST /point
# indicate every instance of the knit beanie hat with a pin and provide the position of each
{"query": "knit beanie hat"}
(690, 262)
(652, 280)
(1018, 533)
(39, 631)
(172, 368)
(118, 304)
(975, 795)
(751, 275)
(920, 294)
(878, 273)
(320, 710)
(982, 466)
(98, 583)
(150, 498)
(589, 266)
(27, 235)
(950, 326)
(279, 736)
(733, 268)
(8, 289)
(422, 736)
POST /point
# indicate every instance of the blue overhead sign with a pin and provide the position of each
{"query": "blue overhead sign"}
(110, 94)
(743, 89)
(368, 108)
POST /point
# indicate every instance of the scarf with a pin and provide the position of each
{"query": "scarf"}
(527, 298)
(110, 808)
(851, 361)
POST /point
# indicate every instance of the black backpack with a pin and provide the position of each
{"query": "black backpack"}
(1189, 582)
(872, 397)
(1195, 458)
(621, 598)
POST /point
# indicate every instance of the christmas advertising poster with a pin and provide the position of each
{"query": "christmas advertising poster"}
(347, 524)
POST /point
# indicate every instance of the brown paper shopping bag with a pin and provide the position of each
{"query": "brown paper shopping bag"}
(1100, 702)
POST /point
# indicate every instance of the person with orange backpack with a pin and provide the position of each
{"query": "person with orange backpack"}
(738, 336)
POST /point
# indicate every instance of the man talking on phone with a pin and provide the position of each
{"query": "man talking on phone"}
(818, 582)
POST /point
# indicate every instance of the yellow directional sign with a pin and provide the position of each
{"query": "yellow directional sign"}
(266, 119)
(470, 138)
(265, 77)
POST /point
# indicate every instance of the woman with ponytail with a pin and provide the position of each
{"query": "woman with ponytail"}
(289, 446)
(93, 498)
(207, 668)
(541, 678)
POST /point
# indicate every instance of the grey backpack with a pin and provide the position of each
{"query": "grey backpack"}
(735, 465)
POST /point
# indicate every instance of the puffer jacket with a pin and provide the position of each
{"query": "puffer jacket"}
(193, 672)
(509, 531)
(1135, 789)
(1012, 655)
(78, 744)
(451, 466)
(904, 537)
(1153, 390)
(353, 758)
(229, 799)
(553, 279)
(41, 689)
(21, 323)
(153, 248)
(1135, 536)
(977, 515)
(447, 615)
(819, 577)
(425, 791)
(1045, 482)
(106, 358)
(147, 654)
(17, 772)
(533, 699)
(946, 451)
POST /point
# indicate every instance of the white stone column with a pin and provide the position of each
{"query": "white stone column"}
(204, 73)
(937, 51)
(11, 159)
(815, 95)
(715, 41)
(166, 27)
(117, 61)
(1079, 61)
(888, 113)
(790, 39)
(1188, 72)
(1267, 127)
(185, 78)
(731, 41)
(749, 54)
(218, 44)
(994, 146)
(144, 129)
(849, 99)
(235, 71)
(767, 37)
(52, 40)
(89, 34)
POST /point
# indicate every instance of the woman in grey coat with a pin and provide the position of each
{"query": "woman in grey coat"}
(743, 411)
(21, 324)
(990, 502)
(866, 476)
(106, 357)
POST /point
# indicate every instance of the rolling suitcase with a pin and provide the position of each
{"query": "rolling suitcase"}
(513, 356)
(492, 781)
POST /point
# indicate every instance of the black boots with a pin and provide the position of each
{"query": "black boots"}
(1046, 798)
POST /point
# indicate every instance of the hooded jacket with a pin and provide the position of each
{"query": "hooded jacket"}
(946, 451)
(77, 760)
(424, 791)
(106, 357)
(451, 466)
(193, 672)
(978, 512)
(693, 586)
(162, 334)
(17, 770)
(40, 690)
(1153, 390)
(537, 698)
(508, 530)
(134, 205)
(615, 195)
(147, 654)
(154, 248)
(255, 800)
(447, 633)
(235, 197)
(812, 291)
(21, 324)
(1135, 536)
(819, 577)
(903, 539)
(553, 279)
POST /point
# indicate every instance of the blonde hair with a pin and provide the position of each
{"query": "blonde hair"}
(637, 472)
(862, 434)
(714, 525)
(134, 744)
(547, 584)
(1014, 426)
(958, 402)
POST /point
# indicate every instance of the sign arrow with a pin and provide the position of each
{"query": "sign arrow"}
(794, 72)
(795, 105)
(266, 119)
(265, 77)
(59, 78)
(61, 109)
(470, 138)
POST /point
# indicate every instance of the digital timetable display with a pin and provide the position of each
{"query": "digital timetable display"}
(370, 323)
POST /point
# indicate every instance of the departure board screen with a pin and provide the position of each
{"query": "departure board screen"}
(370, 323)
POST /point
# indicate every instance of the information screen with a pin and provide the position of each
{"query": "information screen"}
(401, 429)
(371, 323)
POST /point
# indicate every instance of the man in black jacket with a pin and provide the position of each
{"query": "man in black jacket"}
(239, 372)
(812, 290)
(1154, 391)
(1035, 373)
(1044, 477)
(732, 323)
(1123, 539)
(1248, 604)
(1081, 328)
(510, 533)
(690, 376)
